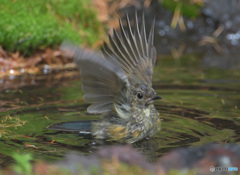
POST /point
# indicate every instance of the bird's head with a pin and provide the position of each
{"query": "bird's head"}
(143, 95)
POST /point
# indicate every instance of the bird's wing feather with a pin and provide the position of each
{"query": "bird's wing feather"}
(102, 79)
(133, 51)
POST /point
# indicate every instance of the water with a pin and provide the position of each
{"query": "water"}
(199, 105)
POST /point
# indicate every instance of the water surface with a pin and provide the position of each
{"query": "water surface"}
(199, 105)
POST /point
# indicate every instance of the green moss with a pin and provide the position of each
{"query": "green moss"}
(187, 7)
(26, 25)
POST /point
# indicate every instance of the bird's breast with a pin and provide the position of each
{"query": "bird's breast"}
(146, 111)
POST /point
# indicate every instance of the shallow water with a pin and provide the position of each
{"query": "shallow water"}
(199, 105)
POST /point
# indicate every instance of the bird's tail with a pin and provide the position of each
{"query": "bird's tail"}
(82, 127)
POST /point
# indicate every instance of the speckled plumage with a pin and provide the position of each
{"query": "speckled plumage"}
(119, 85)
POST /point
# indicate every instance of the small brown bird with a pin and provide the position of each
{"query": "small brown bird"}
(119, 84)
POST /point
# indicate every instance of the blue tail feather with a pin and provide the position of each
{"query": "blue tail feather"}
(82, 127)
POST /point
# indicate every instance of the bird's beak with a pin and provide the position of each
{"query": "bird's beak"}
(156, 97)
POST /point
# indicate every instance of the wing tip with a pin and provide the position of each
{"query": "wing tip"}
(97, 108)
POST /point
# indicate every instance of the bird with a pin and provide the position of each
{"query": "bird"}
(118, 83)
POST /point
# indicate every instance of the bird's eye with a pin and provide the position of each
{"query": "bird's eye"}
(140, 95)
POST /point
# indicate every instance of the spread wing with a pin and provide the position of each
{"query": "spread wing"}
(103, 80)
(133, 51)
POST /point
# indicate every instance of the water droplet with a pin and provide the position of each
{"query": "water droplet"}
(11, 71)
(47, 69)
(161, 32)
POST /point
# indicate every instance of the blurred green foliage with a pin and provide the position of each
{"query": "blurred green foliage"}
(187, 8)
(26, 25)
(23, 163)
